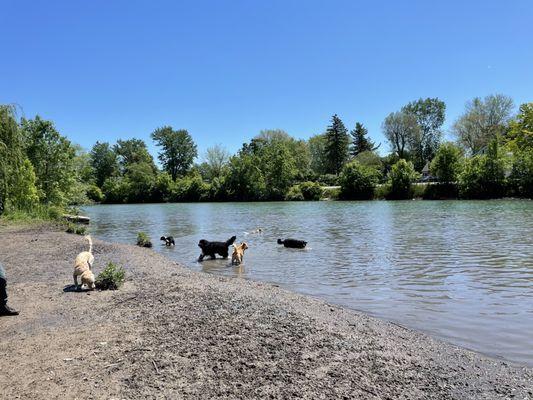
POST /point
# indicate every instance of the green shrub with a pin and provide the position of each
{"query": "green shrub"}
(401, 178)
(447, 164)
(111, 278)
(382, 191)
(358, 181)
(521, 178)
(330, 193)
(95, 194)
(418, 191)
(441, 191)
(143, 240)
(294, 194)
(311, 190)
(75, 228)
(328, 180)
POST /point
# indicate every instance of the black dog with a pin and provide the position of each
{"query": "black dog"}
(212, 248)
(293, 243)
(169, 240)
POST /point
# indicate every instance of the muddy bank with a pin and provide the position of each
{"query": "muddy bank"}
(173, 333)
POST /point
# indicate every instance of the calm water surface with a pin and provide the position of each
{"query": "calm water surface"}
(460, 270)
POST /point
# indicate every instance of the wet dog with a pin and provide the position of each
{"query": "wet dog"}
(293, 243)
(212, 248)
(169, 240)
(238, 253)
(83, 265)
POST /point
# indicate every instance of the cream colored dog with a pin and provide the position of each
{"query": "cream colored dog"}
(82, 267)
(238, 253)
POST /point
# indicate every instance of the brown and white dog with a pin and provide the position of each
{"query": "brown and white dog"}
(238, 253)
(82, 267)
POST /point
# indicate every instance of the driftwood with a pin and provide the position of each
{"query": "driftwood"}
(79, 219)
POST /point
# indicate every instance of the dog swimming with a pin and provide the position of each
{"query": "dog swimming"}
(293, 243)
(212, 248)
(169, 240)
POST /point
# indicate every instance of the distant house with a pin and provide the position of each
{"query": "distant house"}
(426, 176)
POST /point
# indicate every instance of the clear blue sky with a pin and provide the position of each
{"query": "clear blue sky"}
(224, 70)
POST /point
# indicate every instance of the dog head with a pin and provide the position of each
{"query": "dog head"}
(244, 246)
(163, 238)
(280, 241)
(202, 243)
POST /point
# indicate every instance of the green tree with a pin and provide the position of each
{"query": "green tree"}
(245, 180)
(216, 160)
(521, 178)
(317, 151)
(358, 181)
(133, 151)
(483, 121)
(104, 162)
(447, 164)
(360, 143)
(430, 114)
(401, 178)
(52, 156)
(178, 150)
(140, 179)
(337, 145)
(402, 131)
(521, 129)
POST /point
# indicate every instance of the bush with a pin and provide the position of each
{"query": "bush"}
(521, 178)
(401, 177)
(441, 191)
(294, 194)
(77, 229)
(95, 194)
(111, 278)
(143, 240)
(447, 164)
(311, 190)
(358, 181)
(328, 180)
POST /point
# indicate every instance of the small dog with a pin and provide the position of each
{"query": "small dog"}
(238, 253)
(169, 240)
(293, 243)
(258, 230)
(82, 267)
(213, 248)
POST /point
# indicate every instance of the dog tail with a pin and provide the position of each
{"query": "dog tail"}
(231, 240)
(88, 237)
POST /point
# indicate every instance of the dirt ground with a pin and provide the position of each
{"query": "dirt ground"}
(173, 333)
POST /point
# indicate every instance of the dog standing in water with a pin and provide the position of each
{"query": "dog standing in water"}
(213, 248)
(238, 253)
(83, 265)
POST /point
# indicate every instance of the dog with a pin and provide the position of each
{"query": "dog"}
(258, 230)
(238, 253)
(213, 248)
(83, 265)
(169, 240)
(293, 243)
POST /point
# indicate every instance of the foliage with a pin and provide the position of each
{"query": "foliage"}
(360, 143)
(133, 151)
(336, 147)
(245, 180)
(370, 159)
(94, 193)
(317, 151)
(402, 132)
(521, 178)
(483, 176)
(178, 150)
(75, 228)
(310, 191)
(447, 164)
(140, 179)
(294, 194)
(401, 178)
(429, 114)
(190, 188)
(143, 240)
(216, 161)
(440, 191)
(483, 121)
(111, 278)
(520, 133)
(358, 181)
(104, 162)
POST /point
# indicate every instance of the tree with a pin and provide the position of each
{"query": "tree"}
(360, 142)
(133, 151)
(430, 115)
(337, 142)
(521, 129)
(317, 150)
(482, 121)
(402, 131)
(52, 156)
(401, 178)
(358, 181)
(447, 163)
(178, 150)
(216, 159)
(104, 162)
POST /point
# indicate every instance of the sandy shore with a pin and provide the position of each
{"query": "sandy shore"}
(174, 333)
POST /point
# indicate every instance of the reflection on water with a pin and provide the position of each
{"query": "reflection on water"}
(462, 270)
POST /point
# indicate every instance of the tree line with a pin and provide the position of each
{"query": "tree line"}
(492, 156)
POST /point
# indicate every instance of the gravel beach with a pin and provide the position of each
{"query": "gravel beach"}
(173, 333)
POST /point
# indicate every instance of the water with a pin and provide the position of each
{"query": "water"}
(460, 270)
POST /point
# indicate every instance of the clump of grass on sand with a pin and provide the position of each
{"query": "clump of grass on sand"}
(77, 229)
(111, 278)
(143, 240)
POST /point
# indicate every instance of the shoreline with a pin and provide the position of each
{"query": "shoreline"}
(174, 332)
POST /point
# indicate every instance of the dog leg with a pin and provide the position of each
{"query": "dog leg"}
(213, 256)
(201, 258)
(75, 281)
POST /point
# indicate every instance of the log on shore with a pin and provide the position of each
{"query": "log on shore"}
(79, 219)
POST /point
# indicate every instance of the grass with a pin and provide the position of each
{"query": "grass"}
(77, 229)
(111, 278)
(143, 240)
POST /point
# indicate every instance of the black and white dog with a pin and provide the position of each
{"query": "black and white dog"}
(169, 240)
(213, 248)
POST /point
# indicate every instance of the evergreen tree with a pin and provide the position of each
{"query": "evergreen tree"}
(360, 142)
(337, 142)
